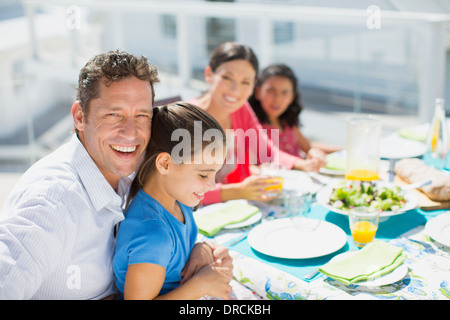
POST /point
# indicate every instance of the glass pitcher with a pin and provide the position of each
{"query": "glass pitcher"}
(363, 148)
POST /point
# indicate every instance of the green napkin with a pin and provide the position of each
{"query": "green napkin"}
(375, 259)
(232, 212)
(335, 162)
(410, 133)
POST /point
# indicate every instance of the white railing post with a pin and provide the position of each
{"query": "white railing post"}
(431, 69)
(265, 41)
(118, 29)
(183, 50)
(30, 10)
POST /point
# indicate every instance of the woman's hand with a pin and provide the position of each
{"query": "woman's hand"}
(252, 188)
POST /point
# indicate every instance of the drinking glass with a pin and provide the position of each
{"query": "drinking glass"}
(273, 177)
(296, 203)
(363, 225)
(363, 144)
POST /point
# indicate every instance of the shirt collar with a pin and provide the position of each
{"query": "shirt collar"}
(97, 187)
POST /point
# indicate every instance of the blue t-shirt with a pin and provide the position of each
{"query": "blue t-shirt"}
(151, 234)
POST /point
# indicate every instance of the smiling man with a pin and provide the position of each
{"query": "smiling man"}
(57, 237)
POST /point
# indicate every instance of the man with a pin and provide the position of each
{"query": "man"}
(57, 241)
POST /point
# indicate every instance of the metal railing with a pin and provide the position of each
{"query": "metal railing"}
(433, 29)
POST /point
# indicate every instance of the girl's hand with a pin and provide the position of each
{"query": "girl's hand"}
(318, 154)
(203, 254)
(308, 164)
(220, 254)
(213, 280)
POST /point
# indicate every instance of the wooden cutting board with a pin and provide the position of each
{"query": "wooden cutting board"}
(424, 202)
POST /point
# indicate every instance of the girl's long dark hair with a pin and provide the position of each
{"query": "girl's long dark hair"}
(291, 115)
(166, 119)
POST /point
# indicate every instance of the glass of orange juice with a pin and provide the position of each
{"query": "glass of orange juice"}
(363, 225)
(362, 148)
(278, 183)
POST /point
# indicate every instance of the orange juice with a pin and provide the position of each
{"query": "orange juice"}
(278, 186)
(363, 232)
(362, 175)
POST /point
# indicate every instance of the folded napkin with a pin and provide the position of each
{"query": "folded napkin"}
(335, 162)
(413, 134)
(375, 259)
(232, 212)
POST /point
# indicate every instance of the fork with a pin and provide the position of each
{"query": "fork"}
(311, 274)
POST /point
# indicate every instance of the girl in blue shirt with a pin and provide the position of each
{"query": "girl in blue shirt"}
(186, 149)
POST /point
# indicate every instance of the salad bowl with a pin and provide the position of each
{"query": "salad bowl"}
(388, 198)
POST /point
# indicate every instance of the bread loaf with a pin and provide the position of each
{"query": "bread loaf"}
(415, 170)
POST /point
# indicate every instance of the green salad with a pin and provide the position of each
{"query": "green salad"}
(350, 194)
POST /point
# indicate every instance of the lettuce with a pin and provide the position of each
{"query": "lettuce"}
(350, 194)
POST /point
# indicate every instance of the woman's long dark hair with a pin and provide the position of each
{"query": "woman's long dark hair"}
(291, 115)
(166, 119)
(229, 51)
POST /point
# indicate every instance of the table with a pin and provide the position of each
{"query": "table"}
(274, 278)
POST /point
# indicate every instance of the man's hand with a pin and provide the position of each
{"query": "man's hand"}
(206, 253)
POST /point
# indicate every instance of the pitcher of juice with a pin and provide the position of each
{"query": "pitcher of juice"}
(363, 148)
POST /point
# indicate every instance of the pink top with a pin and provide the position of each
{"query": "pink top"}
(287, 139)
(255, 149)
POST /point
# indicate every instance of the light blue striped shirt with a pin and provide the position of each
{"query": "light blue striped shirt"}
(57, 229)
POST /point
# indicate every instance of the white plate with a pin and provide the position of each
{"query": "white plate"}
(332, 172)
(395, 275)
(396, 147)
(323, 197)
(252, 220)
(438, 229)
(216, 206)
(339, 154)
(297, 238)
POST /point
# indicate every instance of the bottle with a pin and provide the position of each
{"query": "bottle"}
(437, 141)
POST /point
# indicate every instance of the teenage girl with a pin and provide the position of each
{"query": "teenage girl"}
(277, 104)
(159, 232)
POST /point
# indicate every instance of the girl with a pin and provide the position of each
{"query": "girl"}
(277, 104)
(156, 238)
(231, 74)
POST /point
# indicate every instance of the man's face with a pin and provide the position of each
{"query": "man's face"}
(116, 130)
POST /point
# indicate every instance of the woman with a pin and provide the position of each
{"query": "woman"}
(231, 74)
